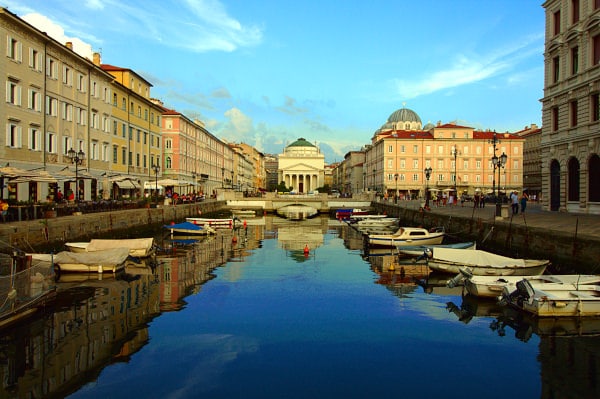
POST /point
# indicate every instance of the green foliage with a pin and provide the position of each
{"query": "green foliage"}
(281, 188)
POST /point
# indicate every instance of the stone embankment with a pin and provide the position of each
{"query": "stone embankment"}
(569, 240)
(29, 234)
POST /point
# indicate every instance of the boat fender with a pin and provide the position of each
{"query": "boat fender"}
(306, 250)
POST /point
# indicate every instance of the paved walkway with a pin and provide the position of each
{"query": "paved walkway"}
(534, 217)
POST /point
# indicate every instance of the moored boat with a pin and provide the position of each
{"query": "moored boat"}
(554, 301)
(215, 223)
(482, 263)
(189, 229)
(493, 286)
(417, 250)
(138, 247)
(408, 236)
(108, 260)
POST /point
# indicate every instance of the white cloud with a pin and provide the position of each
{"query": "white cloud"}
(56, 32)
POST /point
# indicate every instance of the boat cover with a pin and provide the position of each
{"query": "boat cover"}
(144, 244)
(112, 256)
(476, 257)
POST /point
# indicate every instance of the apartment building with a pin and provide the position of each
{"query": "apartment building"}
(570, 139)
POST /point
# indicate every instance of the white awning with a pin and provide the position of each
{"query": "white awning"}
(148, 185)
(126, 184)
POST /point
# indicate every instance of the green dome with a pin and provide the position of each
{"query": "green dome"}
(404, 115)
(301, 142)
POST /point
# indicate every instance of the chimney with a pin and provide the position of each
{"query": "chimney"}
(97, 59)
(69, 45)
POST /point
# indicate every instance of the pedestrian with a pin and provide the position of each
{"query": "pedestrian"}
(524, 199)
(59, 196)
(476, 200)
(3, 209)
(514, 198)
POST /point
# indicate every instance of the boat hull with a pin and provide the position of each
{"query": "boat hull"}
(493, 287)
(532, 268)
(391, 241)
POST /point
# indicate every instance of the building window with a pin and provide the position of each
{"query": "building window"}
(575, 11)
(416, 163)
(13, 93)
(573, 110)
(168, 143)
(51, 68)
(556, 22)
(596, 49)
(13, 135)
(51, 106)
(574, 60)
(35, 139)
(554, 119)
(51, 144)
(416, 149)
(595, 100)
(555, 69)
(35, 102)
(123, 130)
(168, 162)
(35, 60)
(130, 163)
(13, 50)
(390, 148)
(115, 154)
(415, 177)
(402, 149)
(478, 164)
(123, 155)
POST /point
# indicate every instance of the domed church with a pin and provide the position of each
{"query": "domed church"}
(302, 166)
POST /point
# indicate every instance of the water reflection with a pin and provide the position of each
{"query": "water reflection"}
(97, 321)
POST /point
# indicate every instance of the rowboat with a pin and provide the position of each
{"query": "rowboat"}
(189, 229)
(482, 263)
(108, 260)
(215, 223)
(554, 300)
(138, 247)
(376, 222)
(493, 286)
(348, 213)
(408, 236)
(417, 250)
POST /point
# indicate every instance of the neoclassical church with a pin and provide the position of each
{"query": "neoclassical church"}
(302, 166)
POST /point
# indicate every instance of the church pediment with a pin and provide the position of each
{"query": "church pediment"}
(301, 167)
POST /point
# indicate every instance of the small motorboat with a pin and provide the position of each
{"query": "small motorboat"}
(417, 250)
(108, 260)
(494, 286)
(408, 236)
(554, 300)
(138, 247)
(189, 229)
(481, 263)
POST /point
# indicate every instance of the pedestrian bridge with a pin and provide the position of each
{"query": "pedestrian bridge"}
(271, 202)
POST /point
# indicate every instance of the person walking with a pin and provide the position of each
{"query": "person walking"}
(524, 199)
(514, 198)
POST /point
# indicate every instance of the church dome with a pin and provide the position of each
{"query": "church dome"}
(404, 115)
(301, 142)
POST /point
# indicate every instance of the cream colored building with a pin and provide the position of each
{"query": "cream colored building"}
(570, 140)
(460, 158)
(302, 166)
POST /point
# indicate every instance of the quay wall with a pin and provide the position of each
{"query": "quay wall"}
(41, 232)
(568, 251)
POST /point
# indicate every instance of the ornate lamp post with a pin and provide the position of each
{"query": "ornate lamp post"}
(77, 158)
(456, 153)
(156, 169)
(396, 189)
(498, 162)
(427, 176)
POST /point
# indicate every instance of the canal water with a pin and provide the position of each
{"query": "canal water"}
(282, 309)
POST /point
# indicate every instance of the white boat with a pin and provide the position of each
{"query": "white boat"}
(189, 229)
(493, 286)
(108, 260)
(216, 223)
(417, 250)
(138, 247)
(554, 300)
(408, 236)
(376, 222)
(482, 263)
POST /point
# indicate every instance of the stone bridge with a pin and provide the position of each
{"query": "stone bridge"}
(271, 202)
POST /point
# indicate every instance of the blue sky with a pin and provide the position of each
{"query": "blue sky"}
(331, 71)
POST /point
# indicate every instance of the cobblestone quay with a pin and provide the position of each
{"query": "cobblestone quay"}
(570, 241)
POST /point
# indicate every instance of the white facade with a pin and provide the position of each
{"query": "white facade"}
(302, 166)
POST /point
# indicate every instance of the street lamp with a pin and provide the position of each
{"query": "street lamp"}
(156, 169)
(77, 158)
(494, 141)
(498, 162)
(427, 176)
(396, 189)
(456, 153)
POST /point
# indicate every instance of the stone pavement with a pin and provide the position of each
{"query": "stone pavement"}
(582, 225)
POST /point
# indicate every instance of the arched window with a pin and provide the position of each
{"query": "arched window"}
(573, 182)
(168, 163)
(594, 179)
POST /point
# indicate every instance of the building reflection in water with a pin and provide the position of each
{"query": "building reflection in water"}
(95, 323)
(569, 347)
